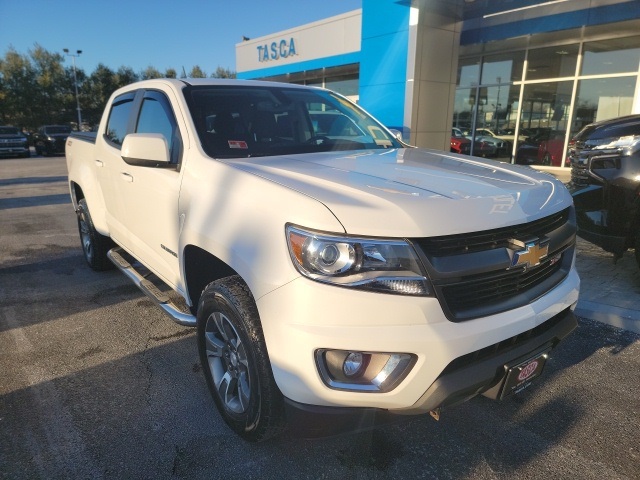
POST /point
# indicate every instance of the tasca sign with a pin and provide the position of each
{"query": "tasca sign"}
(277, 50)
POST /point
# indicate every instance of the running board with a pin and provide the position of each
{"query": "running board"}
(154, 293)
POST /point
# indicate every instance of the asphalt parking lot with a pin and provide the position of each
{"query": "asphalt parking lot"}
(96, 382)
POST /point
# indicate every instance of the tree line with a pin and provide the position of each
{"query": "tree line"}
(37, 88)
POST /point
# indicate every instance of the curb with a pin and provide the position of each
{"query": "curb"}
(610, 315)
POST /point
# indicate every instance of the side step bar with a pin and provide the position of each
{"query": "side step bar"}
(158, 297)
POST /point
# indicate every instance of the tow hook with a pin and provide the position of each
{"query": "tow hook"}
(435, 414)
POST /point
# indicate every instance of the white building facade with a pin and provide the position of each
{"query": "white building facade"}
(518, 69)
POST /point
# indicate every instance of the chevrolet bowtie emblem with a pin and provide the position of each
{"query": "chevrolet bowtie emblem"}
(529, 253)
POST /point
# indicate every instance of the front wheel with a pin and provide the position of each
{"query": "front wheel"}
(94, 245)
(234, 358)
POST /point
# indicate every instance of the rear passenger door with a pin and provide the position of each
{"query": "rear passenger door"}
(109, 163)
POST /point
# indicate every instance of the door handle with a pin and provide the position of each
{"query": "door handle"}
(126, 177)
(99, 163)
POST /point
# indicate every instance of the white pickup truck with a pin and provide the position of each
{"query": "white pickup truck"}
(328, 267)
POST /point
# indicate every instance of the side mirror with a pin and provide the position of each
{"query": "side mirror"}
(146, 150)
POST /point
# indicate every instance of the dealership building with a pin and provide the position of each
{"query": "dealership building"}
(513, 68)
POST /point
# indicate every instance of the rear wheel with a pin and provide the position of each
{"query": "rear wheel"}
(94, 245)
(234, 358)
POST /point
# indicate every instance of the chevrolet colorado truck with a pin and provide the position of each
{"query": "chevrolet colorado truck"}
(326, 266)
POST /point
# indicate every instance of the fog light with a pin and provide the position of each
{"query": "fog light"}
(363, 371)
(354, 364)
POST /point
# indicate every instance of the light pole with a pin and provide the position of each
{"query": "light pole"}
(75, 80)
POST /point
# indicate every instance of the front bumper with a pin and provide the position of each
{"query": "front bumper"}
(603, 222)
(13, 151)
(304, 316)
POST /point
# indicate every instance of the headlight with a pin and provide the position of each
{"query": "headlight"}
(389, 266)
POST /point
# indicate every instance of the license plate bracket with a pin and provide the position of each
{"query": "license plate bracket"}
(520, 376)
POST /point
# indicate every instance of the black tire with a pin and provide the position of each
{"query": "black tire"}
(235, 362)
(94, 245)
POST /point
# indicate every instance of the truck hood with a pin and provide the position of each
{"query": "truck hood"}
(415, 192)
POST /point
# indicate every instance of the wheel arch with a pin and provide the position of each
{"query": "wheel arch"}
(200, 269)
(76, 193)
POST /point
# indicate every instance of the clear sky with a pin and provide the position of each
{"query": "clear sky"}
(159, 33)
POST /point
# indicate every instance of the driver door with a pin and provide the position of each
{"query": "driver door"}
(150, 195)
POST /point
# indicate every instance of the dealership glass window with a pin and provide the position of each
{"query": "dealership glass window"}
(506, 67)
(553, 62)
(616, 55)
(347, 85)
(544, 116)
(468, 72)
(602, 98)
(545, 107)
(498, 107)
(463, 110)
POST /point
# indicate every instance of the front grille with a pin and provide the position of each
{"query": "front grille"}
(490, 239)
(12, 145)
(60, 144)
(579, 175)
(586, 162)
(496, 288)
(488, 284)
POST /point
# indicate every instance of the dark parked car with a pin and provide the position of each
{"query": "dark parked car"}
(13, 143)
(605, 183)
(50, 139)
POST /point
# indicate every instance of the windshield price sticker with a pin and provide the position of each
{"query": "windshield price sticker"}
(238, 144)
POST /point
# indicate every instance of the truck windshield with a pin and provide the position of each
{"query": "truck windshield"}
(249, 121)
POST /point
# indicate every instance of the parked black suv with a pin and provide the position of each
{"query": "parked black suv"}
(13, 143)
(605, 183)
(50, 139)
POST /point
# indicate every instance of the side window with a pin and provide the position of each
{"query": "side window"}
(119, 119)
(156, 116)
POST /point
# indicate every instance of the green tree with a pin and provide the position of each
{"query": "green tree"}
(17, 87)
(38, 88)
(150, 73)
(53, 100)
(197, 72)
(96, 92)
(126, 76)
(223, 73)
